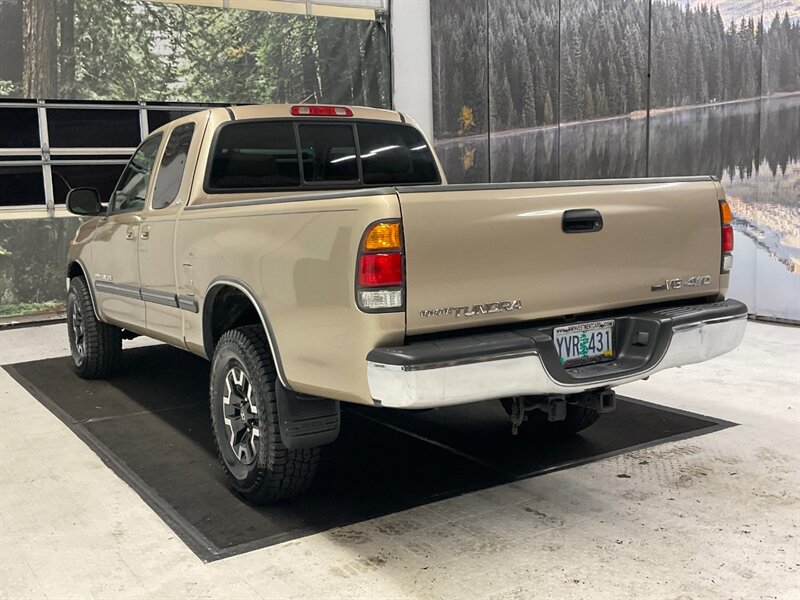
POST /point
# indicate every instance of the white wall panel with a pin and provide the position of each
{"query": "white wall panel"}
(411, 61)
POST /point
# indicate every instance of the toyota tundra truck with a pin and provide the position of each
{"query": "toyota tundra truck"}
(316, 255)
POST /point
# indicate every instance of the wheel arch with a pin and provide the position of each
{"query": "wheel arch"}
(244, 308)
(76, 268)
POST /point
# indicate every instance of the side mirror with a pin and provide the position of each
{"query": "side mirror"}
(84, 202)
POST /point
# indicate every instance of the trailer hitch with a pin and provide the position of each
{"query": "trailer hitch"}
(555, 406)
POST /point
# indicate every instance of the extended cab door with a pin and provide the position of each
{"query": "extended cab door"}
(162, 300)
(115, 246)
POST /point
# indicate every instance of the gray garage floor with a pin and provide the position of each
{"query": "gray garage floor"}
(717, 516)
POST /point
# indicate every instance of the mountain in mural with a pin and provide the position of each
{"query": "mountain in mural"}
(737, 9)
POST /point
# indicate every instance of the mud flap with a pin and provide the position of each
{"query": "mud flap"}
(306, 421)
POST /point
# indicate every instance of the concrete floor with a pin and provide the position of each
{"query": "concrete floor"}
(716, 516)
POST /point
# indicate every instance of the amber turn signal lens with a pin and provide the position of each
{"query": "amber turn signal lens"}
(383, 236)
(725, 212)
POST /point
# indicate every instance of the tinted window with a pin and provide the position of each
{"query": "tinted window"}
(395, 154)
(255, 156)
(20, 128)
(173, 163)
(329, 153)
(21, 185)
(263, 155)
(132, 187)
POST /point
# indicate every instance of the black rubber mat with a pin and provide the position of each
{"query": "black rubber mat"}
(150, 424)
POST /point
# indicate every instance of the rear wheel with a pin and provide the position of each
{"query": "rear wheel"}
(244, 415)
(537, 424)
(96, 347)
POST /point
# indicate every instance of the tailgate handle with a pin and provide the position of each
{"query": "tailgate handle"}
(581, 220)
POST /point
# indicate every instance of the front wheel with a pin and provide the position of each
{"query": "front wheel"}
(244, 415)
(96, 347)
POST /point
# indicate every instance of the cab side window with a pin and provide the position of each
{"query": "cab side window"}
(131, 189)
(173, 164)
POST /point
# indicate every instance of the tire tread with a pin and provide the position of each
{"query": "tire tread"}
(285, 473)
(103, 341)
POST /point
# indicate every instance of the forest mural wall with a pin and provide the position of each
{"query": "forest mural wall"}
(131, 51)
(574, 89)
(137, 50)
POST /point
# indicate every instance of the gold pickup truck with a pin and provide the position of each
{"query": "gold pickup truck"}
(315, 255)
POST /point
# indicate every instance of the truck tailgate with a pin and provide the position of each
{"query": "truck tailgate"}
(489, 254)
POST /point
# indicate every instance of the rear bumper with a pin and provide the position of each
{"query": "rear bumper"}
(522, 362)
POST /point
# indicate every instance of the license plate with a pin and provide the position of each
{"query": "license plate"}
(584, 343)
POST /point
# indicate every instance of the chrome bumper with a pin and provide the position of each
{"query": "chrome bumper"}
(523, 371)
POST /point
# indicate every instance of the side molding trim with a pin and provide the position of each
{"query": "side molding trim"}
(155, 297)
(127, 291)
(187, 303)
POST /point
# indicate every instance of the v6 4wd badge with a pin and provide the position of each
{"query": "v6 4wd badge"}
(676, 284)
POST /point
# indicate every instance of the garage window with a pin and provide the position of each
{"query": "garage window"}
(21, 185)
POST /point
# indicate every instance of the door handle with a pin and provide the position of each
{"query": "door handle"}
(130, 234)
(581, 220)
(145, 234)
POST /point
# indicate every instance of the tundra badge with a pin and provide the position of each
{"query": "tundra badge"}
(474, 310)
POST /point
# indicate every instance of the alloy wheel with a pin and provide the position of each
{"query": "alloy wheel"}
(78, 330)
(240, 415)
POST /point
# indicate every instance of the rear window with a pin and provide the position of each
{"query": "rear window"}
(269, 155)
(329, 153)
(254, 156)
(395, 154)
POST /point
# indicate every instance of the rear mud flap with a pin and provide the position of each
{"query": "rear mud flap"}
(306, 421)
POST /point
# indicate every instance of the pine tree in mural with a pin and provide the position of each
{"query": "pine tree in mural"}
(548, 109)
(528, 98)
(696, 58)
(131, 49)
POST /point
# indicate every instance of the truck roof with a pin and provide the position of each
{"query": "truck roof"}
(277, 111)
(267, 111)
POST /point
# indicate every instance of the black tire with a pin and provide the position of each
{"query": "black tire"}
(536, 425)
(96, 347)
(257, 464)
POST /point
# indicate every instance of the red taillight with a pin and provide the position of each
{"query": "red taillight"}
(726, 218)
(727, 239)
(380, 270)
(317, 110)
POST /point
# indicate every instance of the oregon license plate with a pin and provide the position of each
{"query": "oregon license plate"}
(584, 343)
